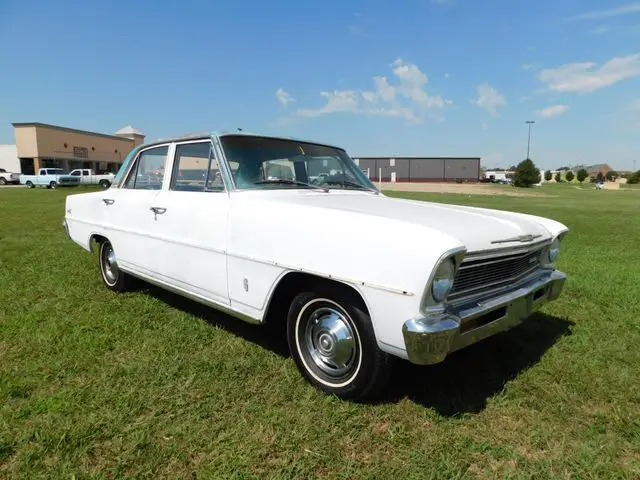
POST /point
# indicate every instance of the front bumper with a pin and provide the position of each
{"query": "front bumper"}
(428, 339)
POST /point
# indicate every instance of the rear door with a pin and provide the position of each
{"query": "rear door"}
(130, 222)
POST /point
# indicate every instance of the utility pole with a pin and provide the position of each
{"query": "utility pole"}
(529, 122)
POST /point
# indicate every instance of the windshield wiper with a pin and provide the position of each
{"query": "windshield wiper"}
(286, 181)
(348, 183)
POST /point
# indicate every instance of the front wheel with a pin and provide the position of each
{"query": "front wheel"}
(3, 181)
(53, 184)
(112, 276)
(104, 184)
(332, 342)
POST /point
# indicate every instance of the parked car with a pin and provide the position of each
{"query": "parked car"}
(359, 278)
(8, 177)
(50, 178)
(89, 177)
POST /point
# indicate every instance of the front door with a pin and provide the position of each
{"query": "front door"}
(191, 219)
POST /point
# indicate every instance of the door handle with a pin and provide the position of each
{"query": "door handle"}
(158, 210)
(108, 201)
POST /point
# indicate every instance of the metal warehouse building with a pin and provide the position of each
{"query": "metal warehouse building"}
(421, 169)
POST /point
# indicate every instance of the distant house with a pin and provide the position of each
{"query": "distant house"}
(602, 168)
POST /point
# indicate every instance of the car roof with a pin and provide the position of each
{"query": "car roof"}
(215, 134)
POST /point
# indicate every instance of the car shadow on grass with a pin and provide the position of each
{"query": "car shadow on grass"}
(269, 336)
(461, 384)
(467, 378)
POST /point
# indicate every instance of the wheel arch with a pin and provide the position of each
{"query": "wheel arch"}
(292, 283)
(96, 238)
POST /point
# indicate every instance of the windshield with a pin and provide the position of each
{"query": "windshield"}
(268, 163)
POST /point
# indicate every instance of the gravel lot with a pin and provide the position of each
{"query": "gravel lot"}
(463, 188)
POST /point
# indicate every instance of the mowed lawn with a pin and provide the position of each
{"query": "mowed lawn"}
(147, 385)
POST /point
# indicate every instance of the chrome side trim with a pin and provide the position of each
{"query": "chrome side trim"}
(429, 339)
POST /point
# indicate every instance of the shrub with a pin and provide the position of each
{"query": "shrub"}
(558, 177)
(548, 175)
(634, 178)
(582, 175)
(599, 177)
(569, 176)
(611, 175)
(526, 174)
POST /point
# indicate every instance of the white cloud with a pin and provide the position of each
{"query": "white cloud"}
(406, 97)
(552, 111)
(485, 127)
(447, 75)
(599, 30)
(526, 98)
(489, 98)
(337, 101)
(609, 12)
(529, 66)
(284, 98)
(584, 77)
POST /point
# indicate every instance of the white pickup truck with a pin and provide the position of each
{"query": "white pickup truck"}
(89, 177)
(8, 177)
(50, 178)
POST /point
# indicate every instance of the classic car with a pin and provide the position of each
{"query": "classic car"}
(274, 229)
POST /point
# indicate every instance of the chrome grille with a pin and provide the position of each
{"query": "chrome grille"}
(477, 275)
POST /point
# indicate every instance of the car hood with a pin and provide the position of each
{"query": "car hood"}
(477, 228)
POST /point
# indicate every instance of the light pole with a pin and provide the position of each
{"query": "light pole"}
(529, 122)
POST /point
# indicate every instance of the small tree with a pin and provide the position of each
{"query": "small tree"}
(611, 175)
(634, 178)
(548, 175)
(569, 176)
(599, 178)
(582, 175)
(526, 174)
(558, 177)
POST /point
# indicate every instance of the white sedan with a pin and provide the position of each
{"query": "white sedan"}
(280, 230)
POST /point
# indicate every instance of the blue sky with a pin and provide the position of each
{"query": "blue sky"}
(417, 77)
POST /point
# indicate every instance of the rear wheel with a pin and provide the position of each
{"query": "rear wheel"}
(30, 184)
(332, 342)
(104, 184)
(112, 276)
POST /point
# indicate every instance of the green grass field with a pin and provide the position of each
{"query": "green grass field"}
(148, 385)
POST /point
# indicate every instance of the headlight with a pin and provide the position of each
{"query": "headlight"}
(554, 250)
(443, 281)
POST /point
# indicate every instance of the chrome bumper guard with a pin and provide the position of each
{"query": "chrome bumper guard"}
(430, 338)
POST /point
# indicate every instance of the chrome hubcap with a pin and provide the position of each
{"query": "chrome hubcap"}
(109, 264)
(329, 341)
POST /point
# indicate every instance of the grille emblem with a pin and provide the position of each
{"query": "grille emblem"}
(520, 238)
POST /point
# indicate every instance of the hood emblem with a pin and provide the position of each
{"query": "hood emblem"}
(520, 238)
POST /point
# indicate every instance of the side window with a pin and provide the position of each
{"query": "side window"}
(195, 169)
(75, 173)
(148, 172)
